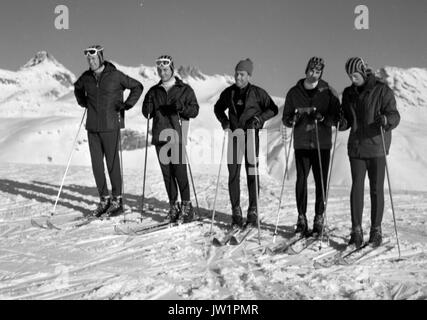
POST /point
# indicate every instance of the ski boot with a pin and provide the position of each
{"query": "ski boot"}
(174, 212)
(318, 224)
(302, 225)
(101, 208)
(236, 218)
(188, 213)
(252, 218)
(376, 236)
(356, 237)
(115, 209)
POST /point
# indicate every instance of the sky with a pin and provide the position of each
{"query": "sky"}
(278, 35)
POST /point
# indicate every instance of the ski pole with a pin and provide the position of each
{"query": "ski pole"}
(68, 164)
(389, 190)
(121, 169)
(288, 152)
(192, 180)
(321, 172)
(329, 178)
(217, 183)
(256, 186)
(145, 168)
(189, 168)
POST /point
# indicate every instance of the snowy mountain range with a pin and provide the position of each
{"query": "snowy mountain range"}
(39, 118)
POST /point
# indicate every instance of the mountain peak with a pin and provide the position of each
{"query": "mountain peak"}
(191, 71)
(39, 58)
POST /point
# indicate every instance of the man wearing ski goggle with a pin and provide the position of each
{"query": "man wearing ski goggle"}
(172, 103)
(100, 90)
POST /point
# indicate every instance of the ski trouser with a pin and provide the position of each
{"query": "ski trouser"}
(174, 170)
(106, 144)
(237, 147)
(376, 174)
(306, 160)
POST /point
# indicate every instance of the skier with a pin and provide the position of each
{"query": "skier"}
(311, 99)
(171, 103)
(249, 107)
(100, 90)
(368, 106)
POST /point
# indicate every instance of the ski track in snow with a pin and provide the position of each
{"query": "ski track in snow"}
(92, 262)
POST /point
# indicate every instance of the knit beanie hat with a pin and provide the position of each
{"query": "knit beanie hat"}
(356, 64)
(245, 65)
(315, 63)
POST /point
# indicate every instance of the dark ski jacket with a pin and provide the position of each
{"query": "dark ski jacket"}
(258, 103)
(103, 97)
(182, 104)
(359, 112)
(325, 101)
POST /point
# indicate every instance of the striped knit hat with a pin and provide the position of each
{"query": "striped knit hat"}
(356, 64)
(315, 63)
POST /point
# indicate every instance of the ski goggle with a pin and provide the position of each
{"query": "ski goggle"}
(163, 63)
(92, 52)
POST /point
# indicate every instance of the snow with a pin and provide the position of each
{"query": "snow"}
(92, 262)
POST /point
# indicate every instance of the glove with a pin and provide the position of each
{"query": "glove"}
(381, 120)
(226, 125)
(318, 116)
(296, 118)
(342, 124)
(253, 123)
(121, 106)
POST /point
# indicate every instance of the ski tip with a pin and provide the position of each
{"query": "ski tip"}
(52, 226)
(233, 241)
(216, 242)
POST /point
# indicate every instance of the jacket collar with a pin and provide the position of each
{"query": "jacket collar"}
(178, 82)
(247, 88)
(371, 81)
(109, 67)
(323, 85)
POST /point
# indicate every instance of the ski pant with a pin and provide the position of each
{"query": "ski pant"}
(237, 147)
(106, 144)
(306, 160)
(174, 169)
(376, 173)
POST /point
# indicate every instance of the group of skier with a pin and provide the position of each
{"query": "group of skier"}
(312, 108)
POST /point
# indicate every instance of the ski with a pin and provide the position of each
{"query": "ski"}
(357, 254)
(350, 255)
(35, 224)
(283, 245)
(141, 230)
(306, 242)
(329, 261)
(241, 236)
(225, 239)
(299, 246)
(135, 230)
